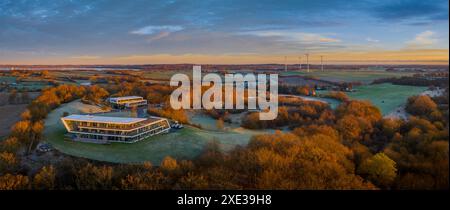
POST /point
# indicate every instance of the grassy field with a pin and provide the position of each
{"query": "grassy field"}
(82, 81)
(31, 85)
(364, 76)
(209, 123)
(76, 73)
(164, 75)
(386, 96)
(7, 80)
(185, 143)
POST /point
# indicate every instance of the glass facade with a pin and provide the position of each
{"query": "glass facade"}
(120, 103)
(113, 132)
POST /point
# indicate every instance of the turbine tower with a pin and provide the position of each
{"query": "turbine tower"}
(321, 62)
(300, 62)
(307, 62)
(285, 63)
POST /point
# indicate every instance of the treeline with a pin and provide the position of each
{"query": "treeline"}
(436, 79)
(167, 112)
(16, 97)
(420, 146)
(338, 95)
(304, 90)
(390, 153)
(268, 162)
(303, 113)
(126, 86)
(26, 133)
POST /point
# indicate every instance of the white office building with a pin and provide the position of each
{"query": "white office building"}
(102, 129)
(127, 102)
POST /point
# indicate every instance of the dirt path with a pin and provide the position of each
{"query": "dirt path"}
(433, 93)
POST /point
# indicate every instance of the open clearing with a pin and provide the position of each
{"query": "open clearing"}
(185, 143)
(387, 97)
(164, 74)
(7, 80)
(364, 76)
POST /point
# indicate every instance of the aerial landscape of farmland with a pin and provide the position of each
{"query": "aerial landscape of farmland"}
(224, 103)
(202, 128)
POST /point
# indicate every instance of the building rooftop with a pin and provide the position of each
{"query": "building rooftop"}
(126, 97)
(103, 119)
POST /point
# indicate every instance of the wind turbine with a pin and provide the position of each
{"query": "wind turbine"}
(285, 63)
(321, 62)
(300, 62)
(307, 62)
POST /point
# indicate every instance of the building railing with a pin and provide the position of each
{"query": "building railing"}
(129, 101)
(113, 132)
(111, 126)
(133, 134)
(136, 103)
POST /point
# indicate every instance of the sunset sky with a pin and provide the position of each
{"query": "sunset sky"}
(223, 32)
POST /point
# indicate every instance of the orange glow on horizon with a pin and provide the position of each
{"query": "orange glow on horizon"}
(420, 56)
